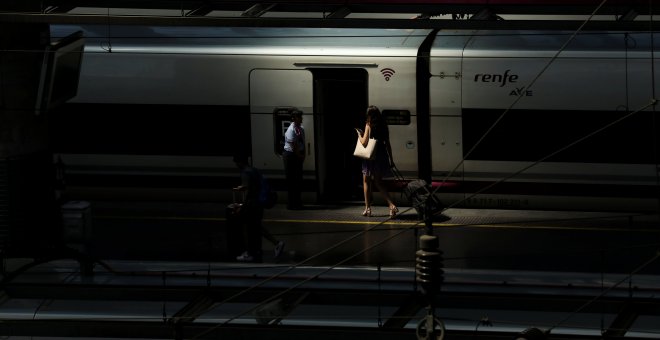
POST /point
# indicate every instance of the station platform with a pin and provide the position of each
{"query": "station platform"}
(571, 241)
(163, 270)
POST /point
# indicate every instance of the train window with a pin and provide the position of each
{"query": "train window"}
(397, 117)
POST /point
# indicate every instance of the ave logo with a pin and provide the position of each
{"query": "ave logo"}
(521, 92)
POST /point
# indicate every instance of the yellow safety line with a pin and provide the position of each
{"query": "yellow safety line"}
(395, 222)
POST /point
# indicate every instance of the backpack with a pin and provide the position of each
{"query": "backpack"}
(267, 197)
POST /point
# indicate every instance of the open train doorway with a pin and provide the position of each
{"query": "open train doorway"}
(340, 99)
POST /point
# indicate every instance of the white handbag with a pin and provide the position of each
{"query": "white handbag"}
(365, 152)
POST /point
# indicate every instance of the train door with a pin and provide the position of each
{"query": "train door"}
(270, 91)
(446, 118)
(340, 99)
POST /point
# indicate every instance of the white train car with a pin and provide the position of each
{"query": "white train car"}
(511, 119)
(561, 120)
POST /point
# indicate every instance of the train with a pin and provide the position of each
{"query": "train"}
(504, 119)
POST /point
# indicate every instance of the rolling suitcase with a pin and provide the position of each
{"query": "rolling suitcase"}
(419, 194)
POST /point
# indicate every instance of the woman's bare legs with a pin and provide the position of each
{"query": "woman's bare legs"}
(366, 186)
(379, 184)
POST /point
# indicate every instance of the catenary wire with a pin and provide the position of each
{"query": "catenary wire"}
(603, 293)
(652, 104)
(523, 169)
(530, 85)
(275, 296)
(272, 298)
(520, 96)
(239, 315)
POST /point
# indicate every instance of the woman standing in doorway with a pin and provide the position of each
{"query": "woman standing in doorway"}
(374, 169)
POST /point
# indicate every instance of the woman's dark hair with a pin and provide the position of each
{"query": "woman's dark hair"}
(378, 125)
(373, 115)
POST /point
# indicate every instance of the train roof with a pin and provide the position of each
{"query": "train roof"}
(541, 42)
(350, 42)
(247, 40)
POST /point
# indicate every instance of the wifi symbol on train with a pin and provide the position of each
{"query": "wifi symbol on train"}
(387, 73)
